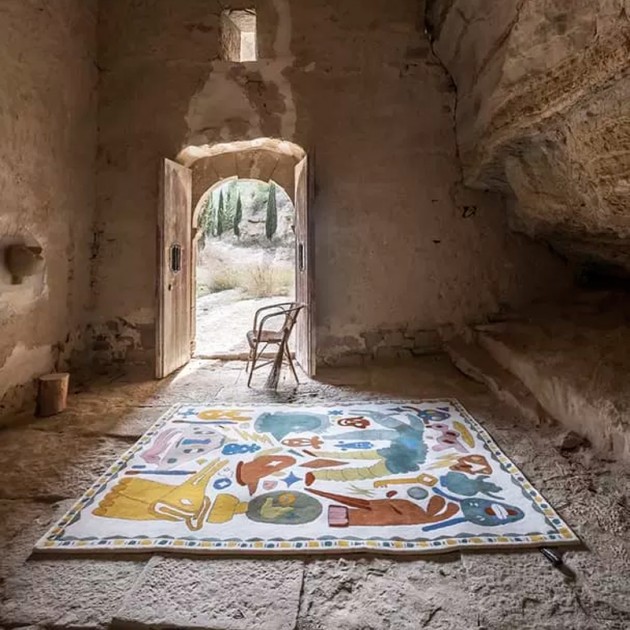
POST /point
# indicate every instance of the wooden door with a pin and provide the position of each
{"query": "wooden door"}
(174, 303)
(304, 289)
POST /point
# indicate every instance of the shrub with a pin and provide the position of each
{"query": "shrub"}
(267, 281)
(223, 279)
(214, 274)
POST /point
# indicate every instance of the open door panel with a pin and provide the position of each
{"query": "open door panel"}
(304, 288)
(173, 330)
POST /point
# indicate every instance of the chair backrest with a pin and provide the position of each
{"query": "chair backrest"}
(289, 311)
(291, 315)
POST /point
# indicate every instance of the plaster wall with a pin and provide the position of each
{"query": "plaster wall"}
(400, 244)
(47, 183)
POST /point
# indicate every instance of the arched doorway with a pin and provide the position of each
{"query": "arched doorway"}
(183, 184)
(245, 260)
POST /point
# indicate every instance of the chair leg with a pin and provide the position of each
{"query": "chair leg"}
(254, 359)
(249, 358)
(290, 362)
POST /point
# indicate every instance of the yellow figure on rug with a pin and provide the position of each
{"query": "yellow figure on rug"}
(232, 415)
(259, 438)
(464, 433)
(146, 500)
(225, 507)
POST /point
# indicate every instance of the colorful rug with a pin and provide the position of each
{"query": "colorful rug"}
(386, 477)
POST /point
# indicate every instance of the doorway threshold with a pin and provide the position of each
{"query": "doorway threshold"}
(234, 356)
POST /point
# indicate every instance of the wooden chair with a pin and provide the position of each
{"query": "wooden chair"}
(262, 334)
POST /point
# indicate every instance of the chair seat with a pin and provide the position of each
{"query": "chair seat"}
(266, 336)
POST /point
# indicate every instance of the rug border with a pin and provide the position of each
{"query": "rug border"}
(47, 545)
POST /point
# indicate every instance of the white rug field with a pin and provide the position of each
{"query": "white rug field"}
(396, 477)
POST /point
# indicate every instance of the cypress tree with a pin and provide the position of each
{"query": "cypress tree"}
(238, 215)
(229, 202)
(271, 221)
(220, 215)
(207, 222)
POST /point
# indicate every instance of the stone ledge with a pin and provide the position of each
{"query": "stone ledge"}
(471, 359)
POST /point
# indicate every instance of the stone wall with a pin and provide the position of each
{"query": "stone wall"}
(543, 114)
(47, 183)
(400, 244)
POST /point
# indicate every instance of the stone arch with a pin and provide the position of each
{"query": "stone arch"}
(264, 159)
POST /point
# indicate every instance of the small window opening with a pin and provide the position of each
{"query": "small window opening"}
(238, 35)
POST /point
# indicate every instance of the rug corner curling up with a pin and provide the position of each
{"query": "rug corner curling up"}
(399, 477)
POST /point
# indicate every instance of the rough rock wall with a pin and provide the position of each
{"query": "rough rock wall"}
(47, 182)
(400, 244)
(543, 114)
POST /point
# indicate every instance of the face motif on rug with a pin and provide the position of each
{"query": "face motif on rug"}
(179, 446)
(490, 513)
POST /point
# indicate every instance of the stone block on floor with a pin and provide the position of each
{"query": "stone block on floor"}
(215, 593)
(67, 592)
(378, 593)
(23, 523)
(521, 590)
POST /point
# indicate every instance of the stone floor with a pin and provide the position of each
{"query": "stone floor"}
(45, 464)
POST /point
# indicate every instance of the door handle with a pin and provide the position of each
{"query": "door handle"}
(301, 257)
(176, 257)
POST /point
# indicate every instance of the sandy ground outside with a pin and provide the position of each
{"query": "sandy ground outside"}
(224, 318)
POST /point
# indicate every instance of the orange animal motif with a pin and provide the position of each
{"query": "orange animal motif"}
(379, 512)
(473, 465)
(250, 473)
(312, 442)
(359, 422)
